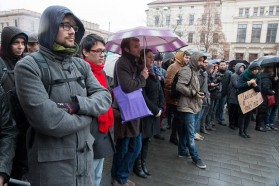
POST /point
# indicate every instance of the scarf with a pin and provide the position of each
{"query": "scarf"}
(105, 121)
(248, 75)
(61, 49)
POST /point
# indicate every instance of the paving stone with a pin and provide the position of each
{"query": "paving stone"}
(215, 182)
(231, 179)
(230, 160)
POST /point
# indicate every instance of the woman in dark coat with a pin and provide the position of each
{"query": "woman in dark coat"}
(150, 125)
(247, 80)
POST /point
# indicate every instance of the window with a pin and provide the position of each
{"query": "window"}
(202, 37)
(252, 57)
(2, 24)
(168, 20)
(190, 37)
(203, 19)
(191, 19)
(270, 12)
(157, 20)
(240, 12)
(261, 11)
(246, 12)
(241, 33)
(277, 10)
(216, 19)
(7, 23)
(179, 20)
(271, 33)
(256, 33)
(239, 56)
(15, 23)
(255, 12)
(215, 38)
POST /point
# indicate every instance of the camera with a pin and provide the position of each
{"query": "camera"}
(219, 75)
(201, 93)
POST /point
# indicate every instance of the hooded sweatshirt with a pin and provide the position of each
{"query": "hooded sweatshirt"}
(233, 87)
(9, 34)
(188, 102)
(171, 71)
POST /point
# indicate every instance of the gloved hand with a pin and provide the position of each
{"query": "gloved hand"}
(71, 107)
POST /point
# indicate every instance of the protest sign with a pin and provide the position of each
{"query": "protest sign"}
(249, 100)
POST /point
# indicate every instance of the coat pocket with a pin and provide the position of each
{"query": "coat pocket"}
(56, 166)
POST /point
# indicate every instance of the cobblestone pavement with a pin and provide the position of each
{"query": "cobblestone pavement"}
(230, 159)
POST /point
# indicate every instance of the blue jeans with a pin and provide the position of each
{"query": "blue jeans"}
(198, 117)
(186, 137)
(271, 115)
(127, 150)
(97, 170)
(220, 108)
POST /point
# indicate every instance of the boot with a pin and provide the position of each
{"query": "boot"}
(145, 170)
(138, 169)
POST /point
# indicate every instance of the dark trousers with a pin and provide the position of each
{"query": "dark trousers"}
(233, 115)
(244, 121)
(261, 116)
(127, 150)
(176, 123)
(144, 150)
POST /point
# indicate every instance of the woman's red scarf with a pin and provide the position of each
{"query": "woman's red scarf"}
(105, 121)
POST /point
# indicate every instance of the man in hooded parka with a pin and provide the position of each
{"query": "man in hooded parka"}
(59, 143)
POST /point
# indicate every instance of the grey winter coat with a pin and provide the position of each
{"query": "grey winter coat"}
(233, 87)
(188, 102)
(203, 80)
(8, 134)
(59, 144)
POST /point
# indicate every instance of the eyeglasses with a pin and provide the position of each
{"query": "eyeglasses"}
(99, 51)
(67, 26)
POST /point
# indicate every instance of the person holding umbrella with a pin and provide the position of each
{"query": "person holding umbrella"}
(128, 137)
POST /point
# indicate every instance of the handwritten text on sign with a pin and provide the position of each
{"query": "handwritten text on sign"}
(249, 100)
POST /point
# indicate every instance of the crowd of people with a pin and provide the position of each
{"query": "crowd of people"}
(59, 119)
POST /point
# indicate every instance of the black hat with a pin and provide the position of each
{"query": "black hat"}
(158, 57)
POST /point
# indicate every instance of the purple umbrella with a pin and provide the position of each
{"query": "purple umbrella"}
(156, 39)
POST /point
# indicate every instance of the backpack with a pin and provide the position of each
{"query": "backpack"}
(16, 109)
(174, 92)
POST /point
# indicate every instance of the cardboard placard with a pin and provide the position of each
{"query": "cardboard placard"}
(249, 100)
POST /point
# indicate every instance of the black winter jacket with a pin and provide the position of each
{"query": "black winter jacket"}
(8, 133)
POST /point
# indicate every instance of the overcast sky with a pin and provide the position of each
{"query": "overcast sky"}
(121, 14)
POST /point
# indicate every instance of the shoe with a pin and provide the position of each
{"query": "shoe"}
(232, 127)
(274, 128)
(162, 129)
(200, 136)
(261, 129)
(210, 128)
(168, 127)
(130, 183)
(199, 164)
(267, 128)
(174, 141)
(138, 169)
(197, 137)
(144, 168)
(115, 183)
(221, 123)
(158, 136)
(184, 156)
(242, 135)
(247, 135)
(205, 132)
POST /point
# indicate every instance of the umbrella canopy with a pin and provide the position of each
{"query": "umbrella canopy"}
(270, 61)
(259, 60)
(110, 63)
(213, 61)
(235, 61)
(191, 51)
(156, 39)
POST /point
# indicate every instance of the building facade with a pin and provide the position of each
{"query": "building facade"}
(28, 21)
(250, 27)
